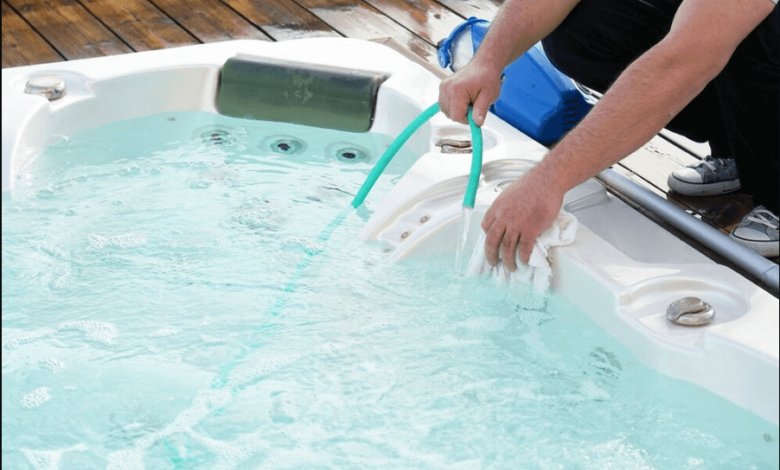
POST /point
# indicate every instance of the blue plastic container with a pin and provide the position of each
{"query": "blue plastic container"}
(535, 97)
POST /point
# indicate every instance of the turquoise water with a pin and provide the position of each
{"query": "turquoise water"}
(169, 302)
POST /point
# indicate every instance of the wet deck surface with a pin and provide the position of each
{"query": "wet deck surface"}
(43, 31)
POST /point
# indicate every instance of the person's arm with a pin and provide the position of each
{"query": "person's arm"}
(641, 102)
(518, 25)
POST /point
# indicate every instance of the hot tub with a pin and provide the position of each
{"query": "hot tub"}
(623, 271)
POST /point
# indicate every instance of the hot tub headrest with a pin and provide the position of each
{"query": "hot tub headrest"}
(300, 93)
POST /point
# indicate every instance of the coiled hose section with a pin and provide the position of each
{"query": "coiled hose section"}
(476, 157)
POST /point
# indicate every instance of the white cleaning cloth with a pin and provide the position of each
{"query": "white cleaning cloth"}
(538, 270)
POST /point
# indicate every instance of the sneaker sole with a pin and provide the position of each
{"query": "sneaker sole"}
(768, 249)
(700, 189)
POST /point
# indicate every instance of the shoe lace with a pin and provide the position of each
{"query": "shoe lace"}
(710, 162)
(764, 217)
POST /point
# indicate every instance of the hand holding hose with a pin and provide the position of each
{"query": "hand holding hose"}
(472, 85)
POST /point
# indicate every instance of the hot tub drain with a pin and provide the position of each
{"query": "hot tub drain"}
(690, 311)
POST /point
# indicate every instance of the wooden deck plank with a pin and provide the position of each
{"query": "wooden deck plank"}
(484, 9)
(282, 19)
(398, 47)
(697, 149)
(70, 28)
(210, 20)
(22, 45)
(356, 19)
(426, 18)
(658, 159)
(140, 24)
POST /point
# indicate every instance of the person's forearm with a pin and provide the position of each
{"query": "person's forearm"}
(517, 26)
(640, 103)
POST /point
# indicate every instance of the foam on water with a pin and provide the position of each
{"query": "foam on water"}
(177, 301)
(52, 364)
(99, 331)
(36, 398)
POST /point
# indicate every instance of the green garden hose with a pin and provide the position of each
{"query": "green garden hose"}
(476, 158)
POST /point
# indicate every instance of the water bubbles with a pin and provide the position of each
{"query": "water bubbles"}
(42, 460)
(132, 170)
(99, 331)
(45, 193)
(252, 201)
(130, 240)
(202, 165)
(216, 136)
(49, 459)
(220, 136)
(309, 246)
(13, 343)
(163, 333)
(125, 459)
(51, 364)
(200, 184)
(262, 368)
(36, 398)
(269, 219)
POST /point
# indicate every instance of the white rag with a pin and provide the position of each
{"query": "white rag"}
(538, 270)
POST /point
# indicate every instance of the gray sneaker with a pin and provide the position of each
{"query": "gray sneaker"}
(758, 231)
(709, 177)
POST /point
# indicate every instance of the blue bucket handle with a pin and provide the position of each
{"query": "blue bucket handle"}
(444, 47)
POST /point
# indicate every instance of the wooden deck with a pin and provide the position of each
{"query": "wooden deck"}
(41, 31)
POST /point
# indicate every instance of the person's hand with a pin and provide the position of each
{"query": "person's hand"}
(470, 85)
(520, 214)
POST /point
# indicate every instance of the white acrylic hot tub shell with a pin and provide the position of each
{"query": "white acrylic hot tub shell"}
(623, 269)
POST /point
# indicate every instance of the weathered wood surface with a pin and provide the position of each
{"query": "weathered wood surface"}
(357, 19)
(282, 19)
(425, 18)
(140, 24)
(485, 9)
(210, 20)
(22, 45)
(71, 30)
